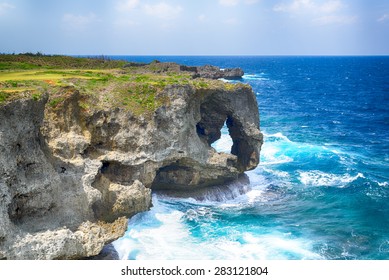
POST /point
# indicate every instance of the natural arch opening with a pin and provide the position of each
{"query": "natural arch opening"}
(224, 143)
(221, 127)
(214, 116)
(213, 127)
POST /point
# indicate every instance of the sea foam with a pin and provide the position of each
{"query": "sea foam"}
(319, 178)
(178, 236)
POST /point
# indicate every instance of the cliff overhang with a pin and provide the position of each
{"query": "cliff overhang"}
(73, 171)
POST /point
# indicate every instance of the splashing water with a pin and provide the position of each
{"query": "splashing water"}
(321, 189)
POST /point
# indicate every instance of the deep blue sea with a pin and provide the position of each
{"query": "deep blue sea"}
(321, 190)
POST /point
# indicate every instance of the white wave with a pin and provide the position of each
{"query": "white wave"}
(254, 195)
(319, 178)
(384, 247)
(279, 149)
(259, 77)
(171, 238)
(256, 178)
(166, 241)
(277, 136)
(277, 173)
(265, 247)
(281, 244)
(341, 155)
(271, 154)
(224, 144)
(383, 184)
(225, 80)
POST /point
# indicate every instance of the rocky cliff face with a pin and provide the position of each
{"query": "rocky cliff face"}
(70, 177)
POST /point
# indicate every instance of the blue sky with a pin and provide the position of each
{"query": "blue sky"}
(195, 27)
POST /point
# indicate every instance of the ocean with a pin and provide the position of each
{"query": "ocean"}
(321, 190)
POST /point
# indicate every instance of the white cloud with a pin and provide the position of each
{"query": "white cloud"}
(4, 7)
(311, 6)
(319, 12)
(330, 7)
(293, 7)
(78, 22)
(250, 2)
(228, 3)
(334, 19)
(163, 10)
(231, 3)
(127, 5)
(383, 18)
(202, 17)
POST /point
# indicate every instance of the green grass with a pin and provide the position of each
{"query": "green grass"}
(101, 83)
(55, 101)
(36, 96)
(17, 65)
(26, 62)
(201, 84)
(4, 96)
(43, 75)
(17, 89)
(139, 98)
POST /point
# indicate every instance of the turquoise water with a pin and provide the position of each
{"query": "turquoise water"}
(321, 190)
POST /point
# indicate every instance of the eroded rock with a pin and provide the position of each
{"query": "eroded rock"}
(214, 72)
(70, 177)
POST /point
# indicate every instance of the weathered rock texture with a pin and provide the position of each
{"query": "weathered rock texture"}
(205, 71)
(214, 72)
(70, 178)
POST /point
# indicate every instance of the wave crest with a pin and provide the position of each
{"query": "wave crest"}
(318, 178)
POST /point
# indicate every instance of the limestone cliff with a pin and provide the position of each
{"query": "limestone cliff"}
(70, 177)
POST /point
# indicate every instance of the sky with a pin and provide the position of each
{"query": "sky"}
(195, 27)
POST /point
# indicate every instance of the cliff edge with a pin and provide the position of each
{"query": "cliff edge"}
(78, 158)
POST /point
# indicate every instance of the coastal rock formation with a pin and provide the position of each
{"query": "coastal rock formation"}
(213, 72)
(70, 177)
(206, 71)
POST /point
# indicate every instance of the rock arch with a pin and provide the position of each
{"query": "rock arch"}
(243, 128)
(211, 109)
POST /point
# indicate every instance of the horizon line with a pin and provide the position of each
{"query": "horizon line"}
(211, 55)
(230, 55)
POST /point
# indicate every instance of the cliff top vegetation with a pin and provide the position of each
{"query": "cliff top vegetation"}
(102, 82)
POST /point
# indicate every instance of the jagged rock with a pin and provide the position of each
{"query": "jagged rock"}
(206, 71)
(213, 72)
(107, 253)
(70, 178)
(232, 73)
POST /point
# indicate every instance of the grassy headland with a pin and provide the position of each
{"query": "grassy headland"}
(103, 83)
